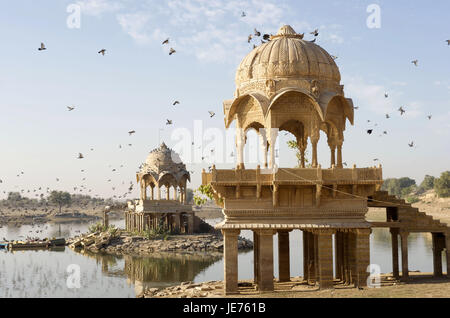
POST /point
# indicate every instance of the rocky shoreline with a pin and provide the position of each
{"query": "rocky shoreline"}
(124, 243)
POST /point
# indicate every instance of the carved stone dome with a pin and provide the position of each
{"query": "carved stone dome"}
(287, 56)
(162, 161)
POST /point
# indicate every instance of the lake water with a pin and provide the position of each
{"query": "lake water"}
(45, 273)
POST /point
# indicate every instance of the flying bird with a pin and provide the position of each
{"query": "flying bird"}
(42, 47)
(266, 37)
(131, 132)
(70, 108)
(411, 144)
(376, 159)
(175, 102)
(249, 38)
(169, 122)
(429, 117)
(211, 114)
(448, 42)
(415, 62)
(257, 33)
(166, 41)
(386, 95)
(172, 51)
(401, 110)
(315, 32)
(243, 15)
(369, 131)
(102, 52)
(387, 116)
(80, 156)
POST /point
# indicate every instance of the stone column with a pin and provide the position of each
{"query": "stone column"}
(240, 143)
(351, 250)
(447, 251)
(404, 243)
(283, 256)
(158, 193)
(338, 255)
(332, 145)
(325, 258)
(305, 256)
(339, 153)
(265, 275)
(395, 269)
(272, 138)
(167, 192)
(255, 257)
(362, 256)
(184, 194)
(152, 193)
(263, 139)
(190, 217)
(314, 152)
(437, 254)
(311, 259)
(177, 218)
(230, 257)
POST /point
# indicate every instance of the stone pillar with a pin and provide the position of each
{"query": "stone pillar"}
(339, 153)
(404, 243)
(190, 217)
(437, 254)
(447, 251)
(314, 152)
(152, 193)
(272, 138)
(351, 264)
(338, 255)
(230, 261)
(362, 256)
(145, 192)
(158, 193)
(283, 256)
(255, 257)
(177, 218)
(240, 143)
(185, 195)
(325, 258)
(395, 269)
(305, 256)
(265, 253)
(311, 259)
(264, 147)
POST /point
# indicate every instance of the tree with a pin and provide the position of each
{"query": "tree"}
(14, 196)
(442, 185)
(427, 183)
(399, 187)
(60, 198)
(292, 144)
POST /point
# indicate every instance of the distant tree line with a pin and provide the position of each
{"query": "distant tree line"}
(407, 188)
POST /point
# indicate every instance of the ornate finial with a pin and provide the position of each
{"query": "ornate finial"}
(287, 31)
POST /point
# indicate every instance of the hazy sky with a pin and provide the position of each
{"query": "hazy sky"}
(134, 85)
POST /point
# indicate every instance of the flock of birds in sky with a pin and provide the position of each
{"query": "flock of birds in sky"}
(264, 38)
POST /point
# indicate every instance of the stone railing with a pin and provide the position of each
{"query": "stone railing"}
(293, 175)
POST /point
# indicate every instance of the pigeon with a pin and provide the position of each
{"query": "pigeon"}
(42, 47)
(376, 159)
(357, 107)
(211, 114)
(315, 32)
(249, 38)
(387, 116)
(385, 132)
(266, 37)
(169, 122)
(401, 110)
(70, 108)
(334, 57)
(411, 144)
(166, 41)
(257, 33)
(448, 42)
(386, 95)
(172, 51)
(175, 102)
(415, 62)
(80, 156)
(131, 132)
(429, 117)
(102, 52)
(243, 15)
(369, 131)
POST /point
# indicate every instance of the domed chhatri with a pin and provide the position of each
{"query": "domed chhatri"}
(162, 168)
(293, 85)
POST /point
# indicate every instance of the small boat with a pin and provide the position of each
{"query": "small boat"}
(58, 242)
(3, 245)
(28, 245)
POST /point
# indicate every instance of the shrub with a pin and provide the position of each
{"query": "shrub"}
(442, 185)
(412, 199)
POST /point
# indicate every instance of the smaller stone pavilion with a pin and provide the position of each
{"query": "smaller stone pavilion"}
(163, 168)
